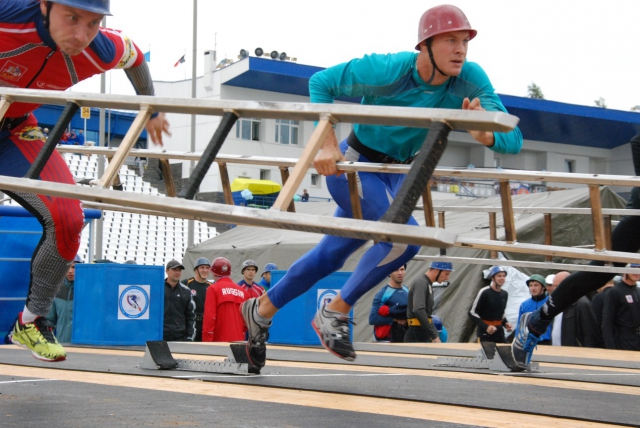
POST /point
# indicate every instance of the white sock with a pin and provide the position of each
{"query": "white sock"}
(27, 316)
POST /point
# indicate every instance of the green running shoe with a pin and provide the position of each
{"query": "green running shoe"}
(38, 336)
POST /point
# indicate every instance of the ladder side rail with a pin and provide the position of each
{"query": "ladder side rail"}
(208, 156)
(222, 213)
(52, 141)
(127, 144)
(302, 166)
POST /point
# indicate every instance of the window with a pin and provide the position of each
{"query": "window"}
(287, 131)
(569, 165)
(248, 129)
(265, 174)
(315, 180)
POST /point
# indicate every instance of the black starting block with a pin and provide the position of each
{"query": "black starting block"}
(491, 356)
(158, 356)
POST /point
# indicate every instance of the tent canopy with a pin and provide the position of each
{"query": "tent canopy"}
(283, 247)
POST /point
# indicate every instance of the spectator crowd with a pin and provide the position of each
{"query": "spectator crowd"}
(206, 306)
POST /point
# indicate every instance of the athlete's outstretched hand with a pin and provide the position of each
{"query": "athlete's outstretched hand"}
(156, 127)
(329, 154)
(483, 137)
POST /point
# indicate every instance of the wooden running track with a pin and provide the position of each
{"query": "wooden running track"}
(389, 385)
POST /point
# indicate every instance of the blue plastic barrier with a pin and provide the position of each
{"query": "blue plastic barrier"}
(117, 304)
(292, 324)
(20, 233)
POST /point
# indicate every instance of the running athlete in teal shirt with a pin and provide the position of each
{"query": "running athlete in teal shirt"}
(436, 77)
(394, 80)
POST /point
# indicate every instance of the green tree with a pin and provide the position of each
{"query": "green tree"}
(534, 91)
(600, 103)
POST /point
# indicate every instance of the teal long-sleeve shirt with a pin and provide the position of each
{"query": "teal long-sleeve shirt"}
(393, 80)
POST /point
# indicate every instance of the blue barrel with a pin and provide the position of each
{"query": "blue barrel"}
(20, 233)
(118, 304)
(292, 324)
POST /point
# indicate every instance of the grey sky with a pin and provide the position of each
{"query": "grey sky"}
(575, 51)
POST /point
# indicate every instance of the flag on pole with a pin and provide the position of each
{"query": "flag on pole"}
(147, 56)
(180, 61)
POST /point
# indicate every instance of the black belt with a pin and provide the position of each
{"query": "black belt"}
(373, 155)
(9, 123)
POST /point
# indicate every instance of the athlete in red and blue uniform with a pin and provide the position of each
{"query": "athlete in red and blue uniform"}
(437, 76)
(54, 45)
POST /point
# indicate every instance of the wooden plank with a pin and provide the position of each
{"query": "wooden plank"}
(117, 184)
(221, 213)
(125, 146)
(548, 233)
(356, 208)
(596, 217)
(441, 223)
(607, 231)
(5, 103)
(284, 175)
(226, 183)
(306, 159)
(427, 207)
(493, 231)
(346, 113)
(507, 213)
(478, 173)
(167, 175)
(527, 264)
(544, 250)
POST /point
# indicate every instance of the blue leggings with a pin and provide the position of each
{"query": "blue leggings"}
(376, 194)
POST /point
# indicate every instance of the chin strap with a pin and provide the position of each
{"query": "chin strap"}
(435, 66)
(45, 18)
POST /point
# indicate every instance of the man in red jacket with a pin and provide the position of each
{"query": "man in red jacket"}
(222, 319)
(52, 45)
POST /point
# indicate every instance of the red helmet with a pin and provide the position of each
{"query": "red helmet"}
(221, 267)
(443, 19)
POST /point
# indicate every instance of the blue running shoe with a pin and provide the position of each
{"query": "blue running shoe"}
(525, 342)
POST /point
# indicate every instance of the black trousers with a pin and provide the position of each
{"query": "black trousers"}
(416, 335)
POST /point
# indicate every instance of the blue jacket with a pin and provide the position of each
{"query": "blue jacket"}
(531, 305)
(397, 303)
(393, 80)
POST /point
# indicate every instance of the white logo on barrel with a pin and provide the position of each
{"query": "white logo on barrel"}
(133, 302)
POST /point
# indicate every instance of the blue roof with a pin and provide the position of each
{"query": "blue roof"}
(540, 120)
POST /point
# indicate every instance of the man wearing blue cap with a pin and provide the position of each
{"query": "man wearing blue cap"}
(265, 282)
(420, 304)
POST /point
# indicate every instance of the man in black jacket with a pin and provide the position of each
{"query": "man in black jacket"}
(179, 309)
(577, 325)
(198, 284)
(621, 314)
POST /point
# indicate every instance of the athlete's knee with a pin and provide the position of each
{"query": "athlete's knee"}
(69, 221)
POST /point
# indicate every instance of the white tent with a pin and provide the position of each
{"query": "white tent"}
(284, 247)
